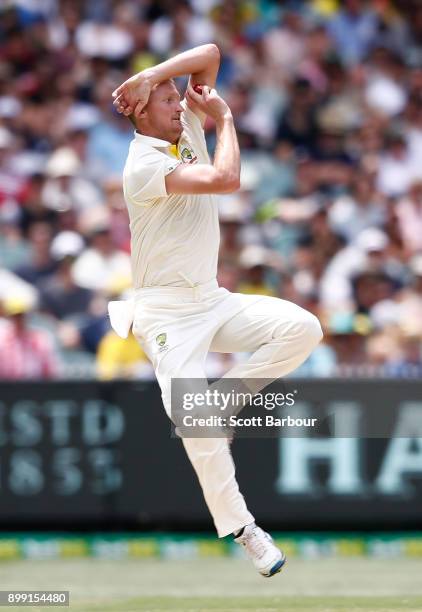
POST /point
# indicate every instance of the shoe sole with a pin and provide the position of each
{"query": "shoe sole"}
(276, 569)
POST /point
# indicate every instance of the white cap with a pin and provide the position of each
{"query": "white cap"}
(14, 288)
(66, 244)
(256, 255)
(63, 162)
(385, 95)
(372, 239)
(94, 219)
(385, 313)
(82, 117)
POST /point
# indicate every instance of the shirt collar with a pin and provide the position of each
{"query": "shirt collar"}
(150, 141)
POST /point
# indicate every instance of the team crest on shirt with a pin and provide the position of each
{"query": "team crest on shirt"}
(187, 154)
(161, 340)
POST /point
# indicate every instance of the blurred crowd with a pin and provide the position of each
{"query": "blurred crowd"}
(327, 100)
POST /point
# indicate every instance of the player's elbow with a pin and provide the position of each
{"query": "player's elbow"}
(213, 52)
(225, 181)
(231, 184)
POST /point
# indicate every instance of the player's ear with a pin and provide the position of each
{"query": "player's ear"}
(132, 118)
(143, 114)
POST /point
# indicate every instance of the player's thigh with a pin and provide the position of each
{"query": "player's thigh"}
(177, 349)
(258, 322)
(180, 373)
(180, 378)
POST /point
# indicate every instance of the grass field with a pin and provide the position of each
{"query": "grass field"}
(223, 585)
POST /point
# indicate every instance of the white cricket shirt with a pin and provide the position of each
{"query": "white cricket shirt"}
(174, 238)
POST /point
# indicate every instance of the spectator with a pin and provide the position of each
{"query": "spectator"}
(385, 91)
(33, 205)
(409, 214)
(368, 252)
(60, 295)
(353, 212)
(396, 170)
(41, 265)
(121, 358)
(255, 262)
(26, 353)
(99, 266)
(66, 187)
(353, 30)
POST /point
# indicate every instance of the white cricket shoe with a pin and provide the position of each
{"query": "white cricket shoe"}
(260, 548)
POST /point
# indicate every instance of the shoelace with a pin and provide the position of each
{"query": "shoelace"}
(255, 543)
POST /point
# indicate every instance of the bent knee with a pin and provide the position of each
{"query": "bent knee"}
(311, 329)
(303, 328)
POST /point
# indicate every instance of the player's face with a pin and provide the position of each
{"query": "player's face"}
(163, 111)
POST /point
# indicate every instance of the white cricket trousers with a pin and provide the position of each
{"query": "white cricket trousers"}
(178, 326)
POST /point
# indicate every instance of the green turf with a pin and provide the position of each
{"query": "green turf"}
(242, 604)
(223, 585)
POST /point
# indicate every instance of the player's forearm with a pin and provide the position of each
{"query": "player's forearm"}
(192, 61)
(227, 154)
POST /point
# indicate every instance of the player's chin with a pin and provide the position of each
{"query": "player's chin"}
(176, 132)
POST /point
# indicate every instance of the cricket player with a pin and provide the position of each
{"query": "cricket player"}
(179, 312)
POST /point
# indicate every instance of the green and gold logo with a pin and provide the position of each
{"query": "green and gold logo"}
(161, 339)
(186, 154)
